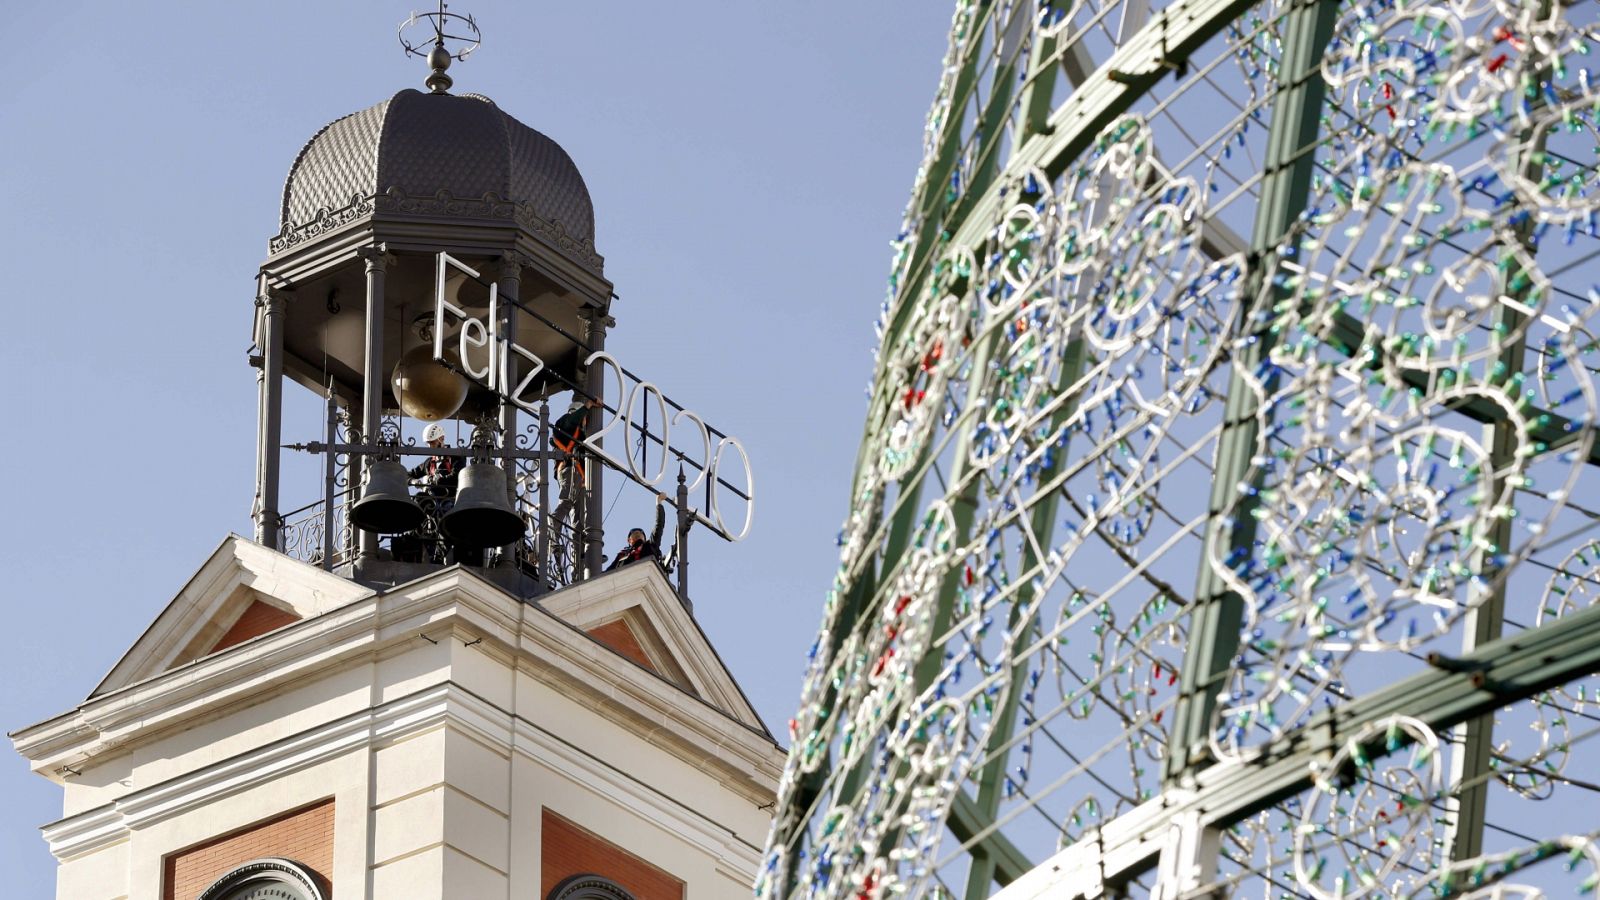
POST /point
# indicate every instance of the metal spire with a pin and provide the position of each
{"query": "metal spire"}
(440, 54)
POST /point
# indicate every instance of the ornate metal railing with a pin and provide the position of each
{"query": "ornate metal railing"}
(561, 532)
(549, 556)
(306, 534)
(1224, 520)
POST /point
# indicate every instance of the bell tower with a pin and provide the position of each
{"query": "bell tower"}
(419, 678)
(349, 303)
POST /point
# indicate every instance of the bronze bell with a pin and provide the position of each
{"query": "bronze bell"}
(482, 516)
(386, 505)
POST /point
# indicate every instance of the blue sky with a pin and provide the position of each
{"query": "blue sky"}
(748, 164)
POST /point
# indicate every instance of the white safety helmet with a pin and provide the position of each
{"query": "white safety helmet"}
(434, 432)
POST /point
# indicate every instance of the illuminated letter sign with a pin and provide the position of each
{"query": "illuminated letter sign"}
(494, 351)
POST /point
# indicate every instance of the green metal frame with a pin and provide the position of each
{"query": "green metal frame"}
(1285, 186)
(1457, 690)
(1198, 790)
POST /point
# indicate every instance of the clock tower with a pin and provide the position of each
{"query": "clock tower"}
(417, 678)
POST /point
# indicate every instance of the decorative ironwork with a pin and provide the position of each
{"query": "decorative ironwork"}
(325, 221)
(549, 557)
(1237, 363)
(395, 201)
(589, 887)
(439, 23)
(447, 46)
(261, 879)
(304, 531)
(562, 563)
(485, 437)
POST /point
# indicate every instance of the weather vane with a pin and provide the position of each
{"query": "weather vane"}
(436, 50)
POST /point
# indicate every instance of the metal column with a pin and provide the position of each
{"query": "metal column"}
(508, 284)
(594, 381)
(269, 526)
(330, 529)
(684, 521)
(377, 262)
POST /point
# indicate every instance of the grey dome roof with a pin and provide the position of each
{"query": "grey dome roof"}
(425, 145)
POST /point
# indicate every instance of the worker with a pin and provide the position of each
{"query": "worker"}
(567, 436)
(437, 474)
(639, 546)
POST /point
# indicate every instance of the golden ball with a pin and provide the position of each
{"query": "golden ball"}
(427, 389)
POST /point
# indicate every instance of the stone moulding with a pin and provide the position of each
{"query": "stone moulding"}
(491, 207)
(726, 743)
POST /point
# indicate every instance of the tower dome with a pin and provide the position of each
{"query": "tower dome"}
(437, 155)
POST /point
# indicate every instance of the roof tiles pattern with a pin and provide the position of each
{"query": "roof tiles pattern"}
(425, 144)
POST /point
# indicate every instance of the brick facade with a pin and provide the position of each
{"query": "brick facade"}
(304, 836)
(567, 850)
(619, 637)
(259, 619)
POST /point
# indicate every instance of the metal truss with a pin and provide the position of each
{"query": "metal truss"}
(1225, 519)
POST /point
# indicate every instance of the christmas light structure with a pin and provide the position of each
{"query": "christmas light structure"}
(1225, 519)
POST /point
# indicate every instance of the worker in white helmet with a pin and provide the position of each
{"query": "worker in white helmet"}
(437, 474)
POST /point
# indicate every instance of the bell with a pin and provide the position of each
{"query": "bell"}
(386, 505)
(482, 516)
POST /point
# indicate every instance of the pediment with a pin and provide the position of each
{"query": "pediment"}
(635, 613)
(242, 590)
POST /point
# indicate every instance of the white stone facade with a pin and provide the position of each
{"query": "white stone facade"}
(441, 716)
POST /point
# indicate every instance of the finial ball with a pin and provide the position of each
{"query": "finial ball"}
(438, 58)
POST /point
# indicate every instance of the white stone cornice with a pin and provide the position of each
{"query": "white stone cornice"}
(170, 640)
(436, 706)
(105, 825)
(86, 832)
(451, 601)
(143, 712)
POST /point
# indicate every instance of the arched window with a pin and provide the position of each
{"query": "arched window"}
(589, 887)
(266, 879)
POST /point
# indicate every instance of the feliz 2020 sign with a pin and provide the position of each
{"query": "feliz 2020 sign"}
(486, 357)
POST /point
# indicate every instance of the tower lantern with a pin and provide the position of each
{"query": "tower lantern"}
(435, 263)
(347, 304)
